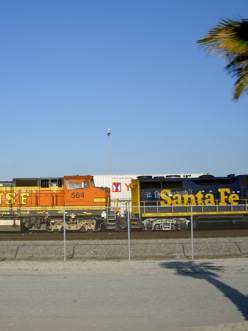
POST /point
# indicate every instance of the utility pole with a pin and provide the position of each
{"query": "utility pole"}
(109, 158)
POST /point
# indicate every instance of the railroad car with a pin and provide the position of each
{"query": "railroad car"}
(49, 203)
(172, 203)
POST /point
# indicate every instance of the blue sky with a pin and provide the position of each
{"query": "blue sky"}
(70, 70)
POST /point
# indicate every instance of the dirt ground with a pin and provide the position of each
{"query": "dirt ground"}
(144, 295)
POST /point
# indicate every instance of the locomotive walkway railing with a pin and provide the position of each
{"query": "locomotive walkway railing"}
(148, 209)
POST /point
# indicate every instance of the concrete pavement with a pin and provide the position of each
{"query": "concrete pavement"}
(138, 295)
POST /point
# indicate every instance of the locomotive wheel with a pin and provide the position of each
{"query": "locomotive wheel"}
(120, 227)
(23, 226)
(37, 224)
(84, 228)
(175, 227)
(50, 228)
(27, 223)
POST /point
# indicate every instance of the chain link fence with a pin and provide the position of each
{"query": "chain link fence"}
(122, 235)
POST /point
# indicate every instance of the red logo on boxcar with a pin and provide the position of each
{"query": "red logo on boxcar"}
(116, 187)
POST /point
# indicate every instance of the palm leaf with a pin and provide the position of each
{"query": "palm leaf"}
(230, 38)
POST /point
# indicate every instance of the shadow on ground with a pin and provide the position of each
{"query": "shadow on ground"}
(208, 271)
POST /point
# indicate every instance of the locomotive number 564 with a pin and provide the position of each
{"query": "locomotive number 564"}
(77, 195)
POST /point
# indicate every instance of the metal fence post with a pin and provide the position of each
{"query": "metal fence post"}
(192, 234)
(128, 234)
(64, 236)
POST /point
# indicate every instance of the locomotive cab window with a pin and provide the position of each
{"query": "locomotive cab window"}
(74, 185)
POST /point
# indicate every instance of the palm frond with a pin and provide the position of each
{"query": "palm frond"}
(231, 39)
(241, 85)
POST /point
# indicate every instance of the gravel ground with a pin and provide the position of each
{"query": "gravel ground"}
(119, 249)
(209, 295)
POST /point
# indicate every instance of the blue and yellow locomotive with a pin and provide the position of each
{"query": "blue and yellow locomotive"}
(170, 203)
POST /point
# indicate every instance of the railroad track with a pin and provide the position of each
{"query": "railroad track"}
(139, 235)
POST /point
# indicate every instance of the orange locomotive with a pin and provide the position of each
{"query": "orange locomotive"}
(49, 203)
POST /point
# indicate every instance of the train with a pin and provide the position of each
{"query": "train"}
(52, 204)
(176, 203)
(75, 203)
